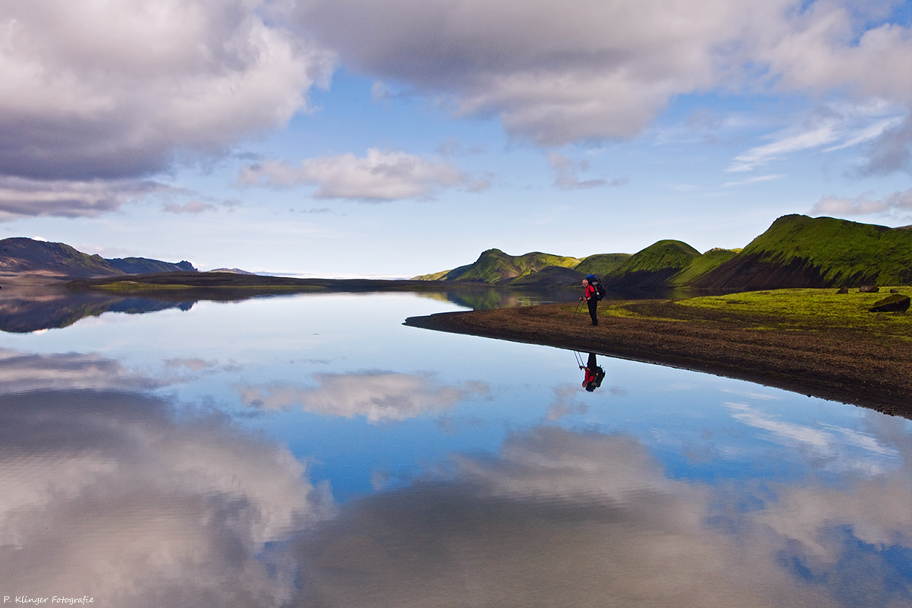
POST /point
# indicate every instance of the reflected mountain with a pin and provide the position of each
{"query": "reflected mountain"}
(25, 311)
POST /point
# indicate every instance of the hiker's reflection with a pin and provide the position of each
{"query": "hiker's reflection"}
(594, 374)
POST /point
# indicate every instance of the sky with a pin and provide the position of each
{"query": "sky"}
(390, 138)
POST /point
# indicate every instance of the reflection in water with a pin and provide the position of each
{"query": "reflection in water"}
(113, 496)
(56, 308)
(21, 372)
(125, 477)
(586, 519)
(593, 374)
(378, 396)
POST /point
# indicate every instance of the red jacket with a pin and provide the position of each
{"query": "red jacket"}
(591, 291)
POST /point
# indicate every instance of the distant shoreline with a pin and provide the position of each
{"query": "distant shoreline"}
(227, 285)
(839, 364)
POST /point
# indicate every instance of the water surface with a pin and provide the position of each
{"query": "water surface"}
(313, 451)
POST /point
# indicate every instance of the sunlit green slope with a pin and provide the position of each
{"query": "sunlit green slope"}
(799, 251)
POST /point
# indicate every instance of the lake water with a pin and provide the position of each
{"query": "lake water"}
(313, 451)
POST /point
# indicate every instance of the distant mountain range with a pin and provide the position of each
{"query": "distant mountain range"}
(796, 251)
(29, 256)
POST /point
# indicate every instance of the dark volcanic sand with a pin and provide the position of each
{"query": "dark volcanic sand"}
(839, 364)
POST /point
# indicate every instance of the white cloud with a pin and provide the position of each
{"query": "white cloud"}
(863, 204)
(763, 155)
(821, 50)
(555, 72)
(378, 396)
(113, 90)
(378, 176)
(21, 197)
(831, 128)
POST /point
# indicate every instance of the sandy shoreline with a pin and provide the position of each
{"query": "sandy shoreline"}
(837, 364)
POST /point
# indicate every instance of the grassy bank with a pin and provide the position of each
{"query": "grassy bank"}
(782, 309)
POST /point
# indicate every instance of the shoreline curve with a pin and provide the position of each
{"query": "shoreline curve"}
(838, 365)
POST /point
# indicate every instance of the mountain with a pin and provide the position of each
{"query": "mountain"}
(496, 267)
(653, 266)
(601, 264)
(796, 251)
(147, 266)
(663, 264)
(28, 256)
(799, 251)
(703, 265)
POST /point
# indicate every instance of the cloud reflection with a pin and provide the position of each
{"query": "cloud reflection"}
(378, 396)
(20, 372)
(116, 496)
(832, 447)
(560, 518)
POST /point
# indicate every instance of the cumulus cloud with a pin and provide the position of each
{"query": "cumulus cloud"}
(101, 90)
(21, 197)
(555, 73)
(828, 45)
(378, 176)
(378, 396)
(111, 495)
(864, 204)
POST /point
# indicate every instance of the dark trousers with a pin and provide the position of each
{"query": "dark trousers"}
(593, 304)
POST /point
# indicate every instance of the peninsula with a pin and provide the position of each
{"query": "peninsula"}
(812, 341)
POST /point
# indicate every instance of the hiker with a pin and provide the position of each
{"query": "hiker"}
(593, 375)
(591, 297)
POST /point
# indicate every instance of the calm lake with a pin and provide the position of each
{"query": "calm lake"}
(313, 451)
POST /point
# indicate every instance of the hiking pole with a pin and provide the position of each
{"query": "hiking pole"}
(579, 359)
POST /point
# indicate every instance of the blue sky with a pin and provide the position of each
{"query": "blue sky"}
(396, 137)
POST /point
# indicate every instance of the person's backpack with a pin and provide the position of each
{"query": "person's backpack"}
(599, 288)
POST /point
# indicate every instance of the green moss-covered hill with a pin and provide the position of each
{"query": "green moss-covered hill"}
(654, 266)
(796, 251)
(799, 251)
(496, 267)
(29, 256)
(665, 264)
(602, 264)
